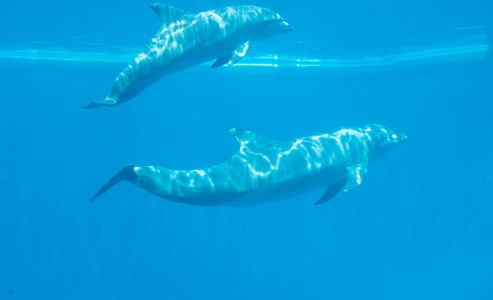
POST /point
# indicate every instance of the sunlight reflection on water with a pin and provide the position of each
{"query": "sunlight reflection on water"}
(461, 46)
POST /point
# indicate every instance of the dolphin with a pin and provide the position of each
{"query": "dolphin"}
(264, 170)
(186, 40)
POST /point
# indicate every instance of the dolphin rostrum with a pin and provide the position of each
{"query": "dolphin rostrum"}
(264, 170)
(186, 40)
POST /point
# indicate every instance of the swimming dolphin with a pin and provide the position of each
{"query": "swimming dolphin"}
(265, 170)
(186, 40)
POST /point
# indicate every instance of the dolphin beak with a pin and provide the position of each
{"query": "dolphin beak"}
(400, 138)
(286, 26)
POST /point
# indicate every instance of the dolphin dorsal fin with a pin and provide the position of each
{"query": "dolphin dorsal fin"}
(168, 14)
(251, 142)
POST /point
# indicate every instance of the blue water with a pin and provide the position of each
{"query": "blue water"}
(419, 227)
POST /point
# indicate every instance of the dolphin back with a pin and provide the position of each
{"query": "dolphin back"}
(127, 173)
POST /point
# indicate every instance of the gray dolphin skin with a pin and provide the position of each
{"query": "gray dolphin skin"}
(186, 40)
(264, 170)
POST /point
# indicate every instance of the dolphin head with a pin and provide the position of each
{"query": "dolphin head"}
(263, 22)
(383, 139)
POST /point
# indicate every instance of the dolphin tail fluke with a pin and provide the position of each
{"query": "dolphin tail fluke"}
(127, 173)
(106, 102)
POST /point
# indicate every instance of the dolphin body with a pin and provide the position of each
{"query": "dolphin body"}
(186, 40)
(264, 170)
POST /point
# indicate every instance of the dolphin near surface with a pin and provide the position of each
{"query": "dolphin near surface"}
(186, 40)
(264, 170)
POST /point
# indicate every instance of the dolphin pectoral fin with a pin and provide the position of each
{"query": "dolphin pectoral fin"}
(127, 173)
(239, 53)
(232, 58)
(168, 14)
(355, 175)
(221, 61)
(331, 191)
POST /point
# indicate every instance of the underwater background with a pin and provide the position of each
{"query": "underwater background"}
(419, 227)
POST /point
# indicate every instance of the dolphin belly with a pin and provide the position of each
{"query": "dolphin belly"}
(194, 187)
(295, 187)
(200, 187)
